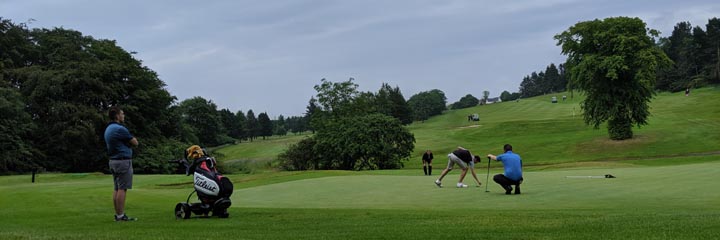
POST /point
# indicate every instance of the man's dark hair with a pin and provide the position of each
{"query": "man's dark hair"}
(507, 147)
(113, 112)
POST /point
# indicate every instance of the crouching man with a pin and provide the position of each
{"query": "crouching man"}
(513, 170)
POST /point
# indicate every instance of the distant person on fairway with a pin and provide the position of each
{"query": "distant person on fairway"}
(463, 158)
(427, 162)
(119, 140)
(513, 170)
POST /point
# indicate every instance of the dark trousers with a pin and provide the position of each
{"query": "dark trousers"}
(506, 183)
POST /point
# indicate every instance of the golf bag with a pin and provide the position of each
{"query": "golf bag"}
(213, 190)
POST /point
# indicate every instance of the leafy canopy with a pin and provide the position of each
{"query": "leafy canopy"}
(614, 61)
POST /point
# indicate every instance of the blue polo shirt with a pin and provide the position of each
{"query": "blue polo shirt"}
(512, 164)
(117, 139)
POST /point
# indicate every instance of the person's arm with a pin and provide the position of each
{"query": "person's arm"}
(133, 141)
(472, 170)
(493, 157)
(125, 134)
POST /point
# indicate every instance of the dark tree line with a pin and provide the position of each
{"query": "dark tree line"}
(56, 86)
(205, 125)
(553, 79)
(695, 53)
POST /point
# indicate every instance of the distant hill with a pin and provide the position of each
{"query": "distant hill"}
(550, 133)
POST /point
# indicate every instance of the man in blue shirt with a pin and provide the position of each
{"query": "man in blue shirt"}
(118, 141)
(513, 170)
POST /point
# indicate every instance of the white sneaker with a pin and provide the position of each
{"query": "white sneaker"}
(438, 183)
(461, 185)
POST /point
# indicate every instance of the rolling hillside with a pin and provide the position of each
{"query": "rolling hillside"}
(546, 133)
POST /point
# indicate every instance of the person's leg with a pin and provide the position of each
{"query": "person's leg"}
(122, 174)
(115, 202)
(444, 172)
(425, 168)
(120, 201)
(504, 182)
(449, 167)
(517, 186)
(462, 175)
(430, 168)
(464, 168)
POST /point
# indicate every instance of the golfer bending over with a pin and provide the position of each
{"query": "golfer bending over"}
(513, 170)
(463, 158)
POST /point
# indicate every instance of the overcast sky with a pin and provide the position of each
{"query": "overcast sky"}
(268, 55)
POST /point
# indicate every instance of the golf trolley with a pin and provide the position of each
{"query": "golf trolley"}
(213, 190)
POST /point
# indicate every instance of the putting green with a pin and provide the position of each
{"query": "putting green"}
(685, 186)
(666, 202)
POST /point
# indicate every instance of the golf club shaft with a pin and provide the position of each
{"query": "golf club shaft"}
(487, 177)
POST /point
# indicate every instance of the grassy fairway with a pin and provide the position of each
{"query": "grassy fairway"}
(260, 150)
(665, 202)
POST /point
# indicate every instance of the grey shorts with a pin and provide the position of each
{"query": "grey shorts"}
(122, 172)
(452, 160)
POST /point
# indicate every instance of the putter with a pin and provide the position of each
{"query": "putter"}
(487, 177)
(602, 176)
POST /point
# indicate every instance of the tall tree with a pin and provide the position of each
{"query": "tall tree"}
(712, 49)
(679, 47)
(336, 98)
(505, 96)
(614, 61)
(266, 126)
(252, 128)
(552, 77)
(465, 102)
(312, 114)
(202, 116)
(351, 133)
(391, 102)
(280, 126)
(16, 127)
(68, 81)
(427, 104)
(400, 108)
(374, 141)
(230, 123)
(242, 126)
(296, 124)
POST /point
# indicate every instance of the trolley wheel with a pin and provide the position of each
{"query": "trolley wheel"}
(182, 211)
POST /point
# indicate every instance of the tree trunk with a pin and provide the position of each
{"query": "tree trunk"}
(620, 128)
(717, 67)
